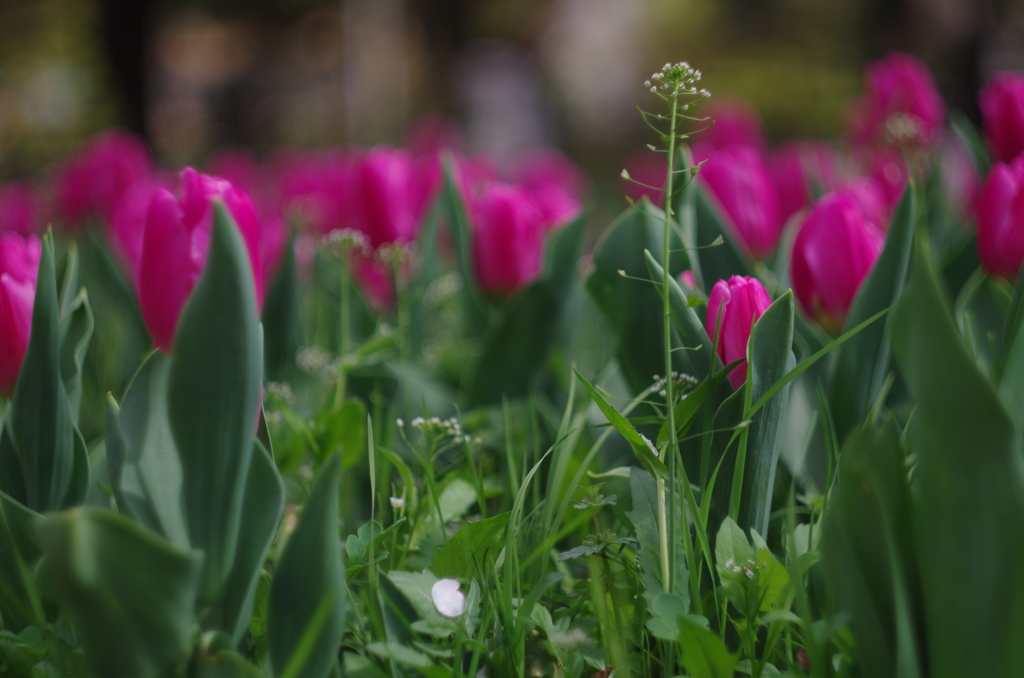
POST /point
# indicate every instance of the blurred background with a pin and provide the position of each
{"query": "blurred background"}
(197, 74)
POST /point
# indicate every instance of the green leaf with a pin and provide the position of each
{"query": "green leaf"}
(972, 139)
(213, 392)
(306, 609)
(225, 664)
(685, 321)
(76, 326)
(343, 431)
(644, 516)
(280, 317)
(416, 586)
(470, 548)
(632, 305)
(980, 311)
(516, 343)
(454, 213)
(864, 363)
(39, 420)
(143, 460)
(704, 652)
(723, 260)
(641, 447)
(262, 508)
(129, 593)
(19, 552)
(969, 489)
(868, 553)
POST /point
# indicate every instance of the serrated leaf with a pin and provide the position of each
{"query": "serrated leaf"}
(471, 548)
(641, 447)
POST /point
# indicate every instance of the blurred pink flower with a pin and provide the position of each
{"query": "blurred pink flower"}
(19, 208)
(733, 307)
(175, 244)
(736, 176)
(1001, 220)
(897, 85)
(508, 238)
(19, 265)
(869, 198)
(433, 134)
(1001, 101)
(90, 182)
(832, 254)
(795, 168)
(888, 168)
(734, 120)
(386, 197)
(645, 168)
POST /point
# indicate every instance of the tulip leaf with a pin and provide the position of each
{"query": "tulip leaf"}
(145, 470)
(641, 447)
(19, 553)
(969, 490)
(307, 599)
(455, 213)
(717, 261)
(864, 363)
(980, 312)
(129, 593)
(685, 321)
(213, 391)
(262, 508)
(467, 552)
(76, 327)
(868, 552)
(280, 317)
(971, 137)
(631, 304)
(516, 343)
(1011, 379)
(39, 421)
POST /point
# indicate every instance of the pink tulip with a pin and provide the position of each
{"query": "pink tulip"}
(19, 265)
(433, 134)
(129, 222)
(1001, 220)
(898, 85)
(795, 169)
(888, 168)
(1001, 102)
(645, 169)
(545, 167)
(832, 254)
(316, 189)
(733, 308)
(386, 200)
(737, 178)
(508, 238)
(870, 199)
(175, 244)
(91, 182)
(733, 121)
(19, 208)
(960, 179)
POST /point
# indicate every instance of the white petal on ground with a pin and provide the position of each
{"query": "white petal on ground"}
(448, 599)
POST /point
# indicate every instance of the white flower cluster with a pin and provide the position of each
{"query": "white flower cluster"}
(749, 569)
(903, 129)
(317, 361)
(345, 241)
(441, 427)
(281, 390)
(680, 382)
(676, 80)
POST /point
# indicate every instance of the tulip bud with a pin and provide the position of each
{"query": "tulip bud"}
(898, 86)
(737, 178)
(19, 208)
(1001, 102)
(832, 254)
(386, 195)
(797, 167)
(19, 265)
(508, 238)
(1001, 220)
(733, 307)
(175, 244)
(92, 181)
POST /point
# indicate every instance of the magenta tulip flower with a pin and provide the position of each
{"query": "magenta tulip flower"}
(19, 208)
(508, 238)
(737, 178)
(888, 168)
(387, 198)
(1001, 102)
(733, 121)
(733, 307)
(898, 85)
(795, 168)
(1001, 220)
(832, 254)
(646, 170)
(91, 182)
(175, 244)
(19, 265)
(870, 199)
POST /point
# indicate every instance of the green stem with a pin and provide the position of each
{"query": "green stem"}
(344, 328)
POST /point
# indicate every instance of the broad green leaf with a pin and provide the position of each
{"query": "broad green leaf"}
(455, 215)
(308, 598)
(972, 139)
(720, 261)
(516, 343)
(144, 465)
(416, 586)
(213, 391)
(980, 312)
(863, 364)
(641, 447)
(868, 551)
(76, 326)
(129, 593)
(225, 664)
(704, 652)
(630, 303)
(470, 548)
(19, 552)
(1011, 378)
(39, 420)
(281, 317)
(644, 516)
(262, 508)
(969, 490)
(691, 331)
